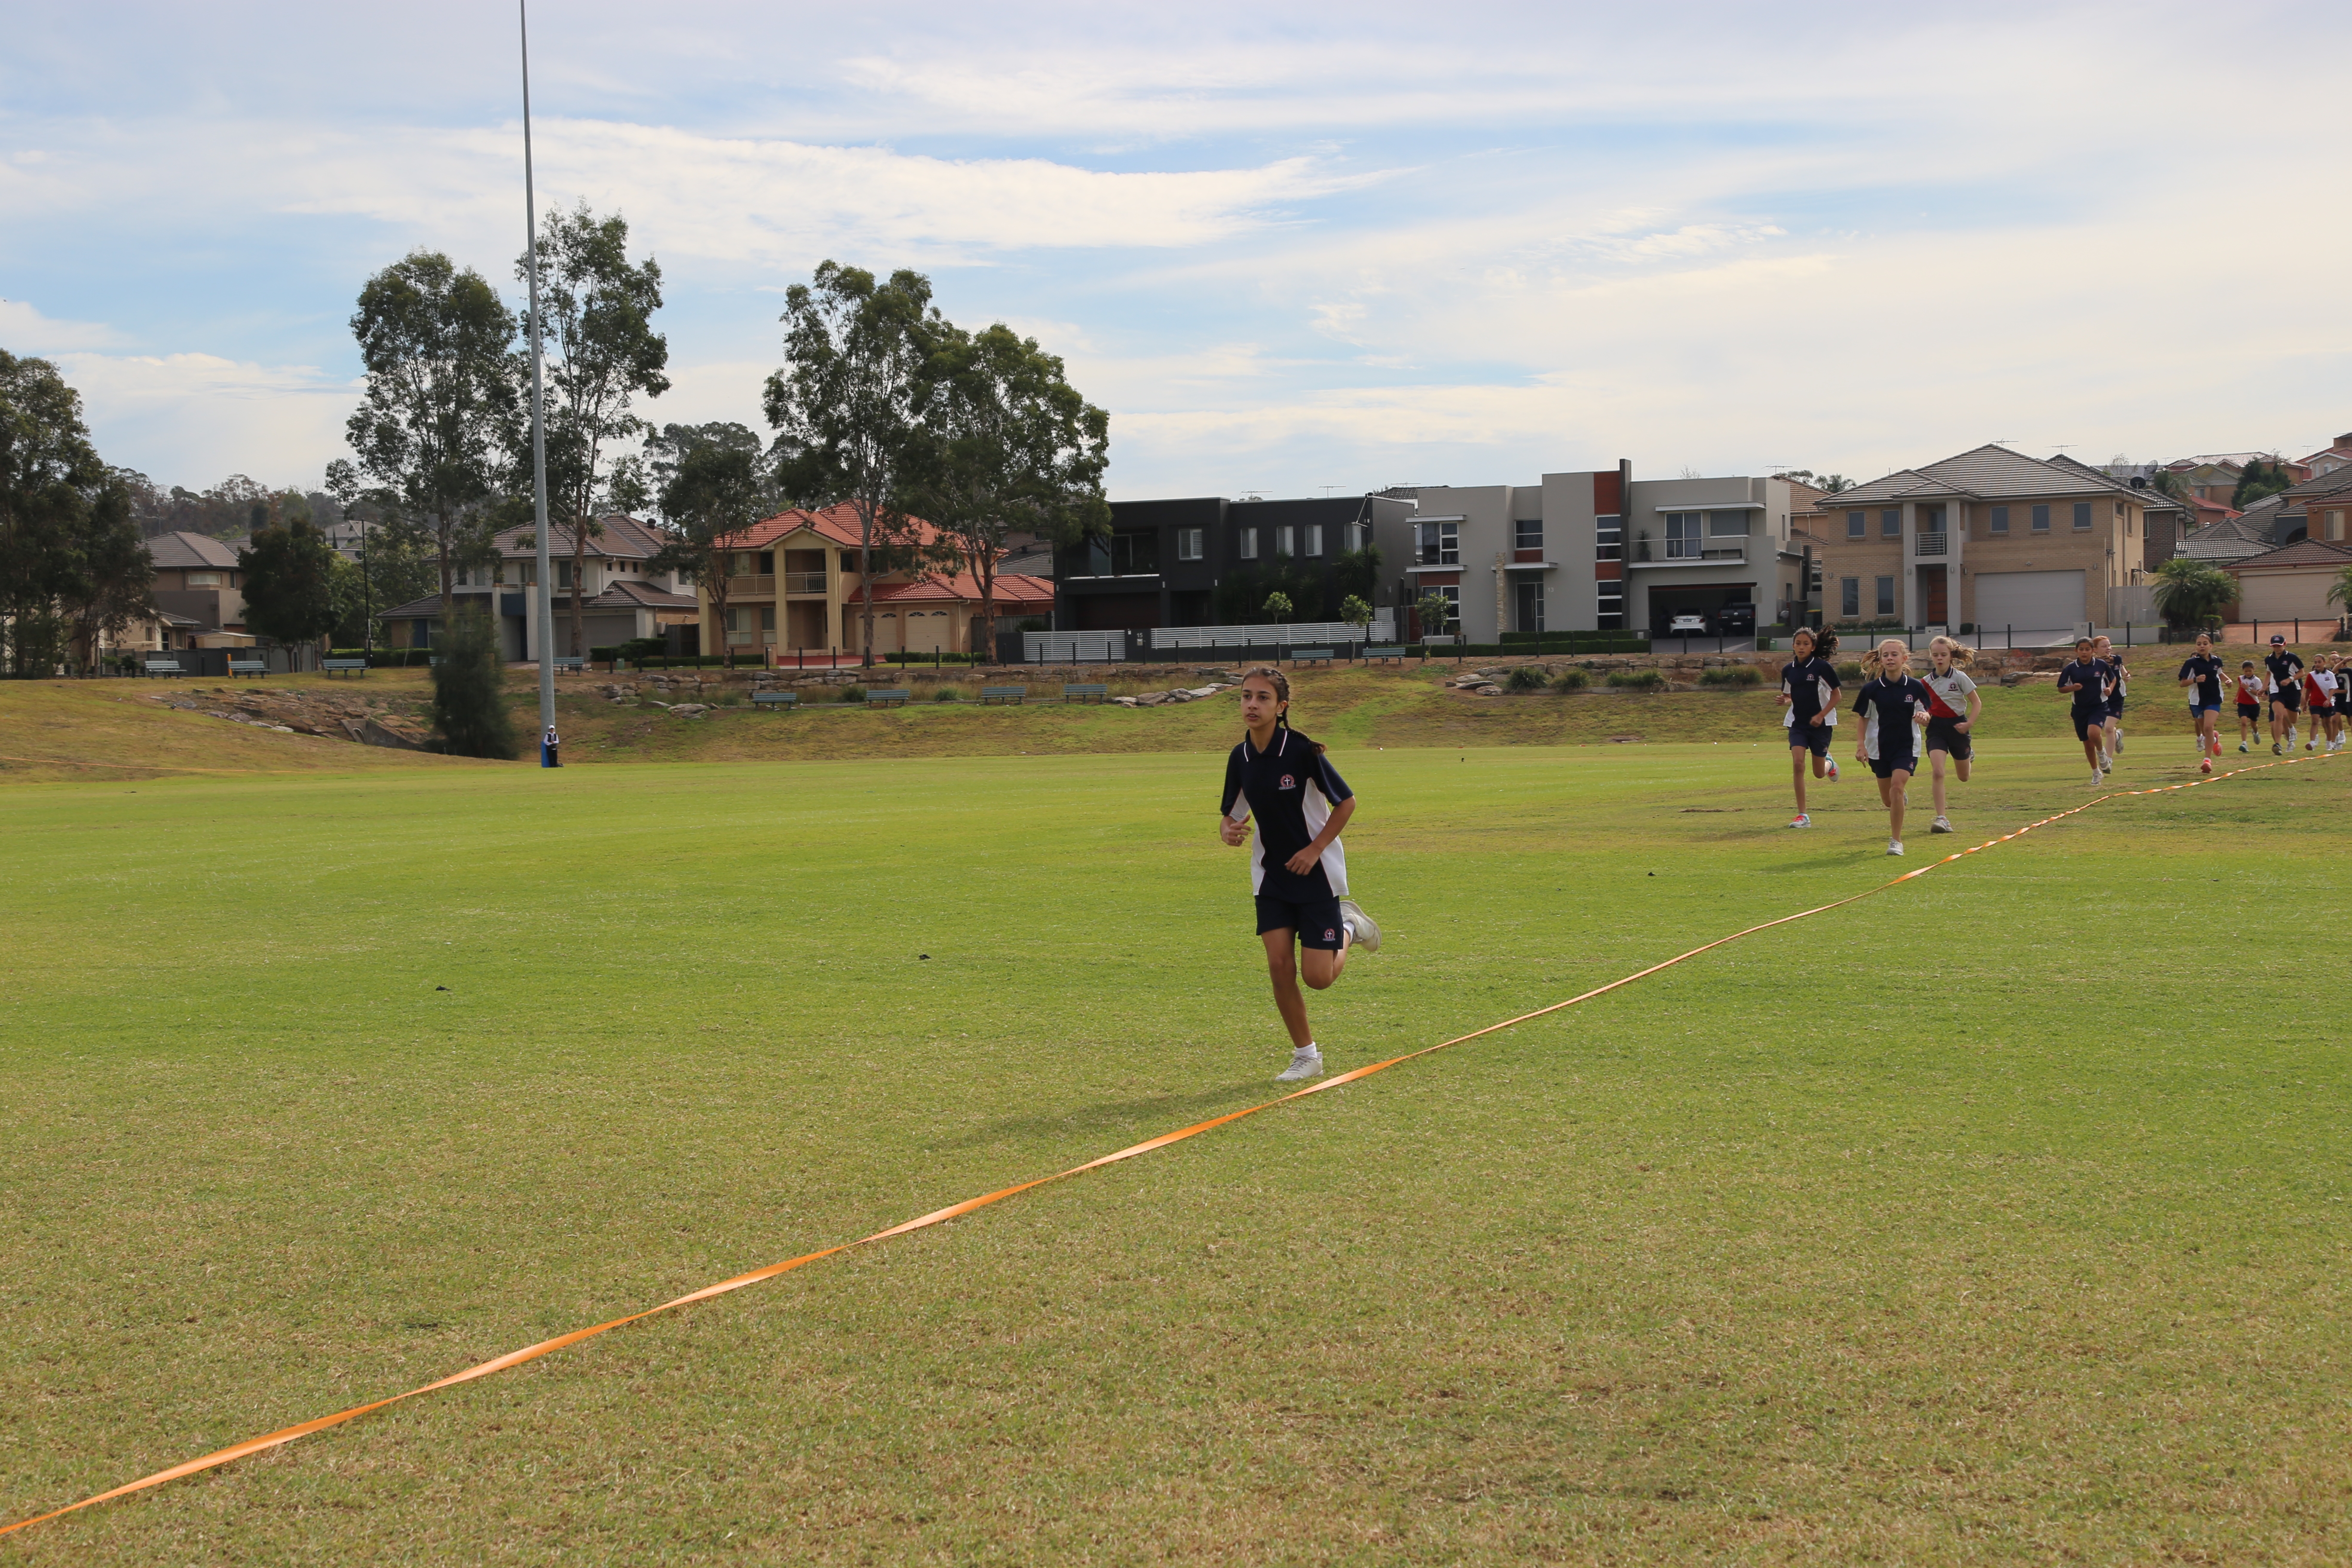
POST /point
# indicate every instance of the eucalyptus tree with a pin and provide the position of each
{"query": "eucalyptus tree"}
(715, 490)
(1005, 443)
(70, 555)
(433, 342)
(289, 586)
(601, 354)
(845, 404)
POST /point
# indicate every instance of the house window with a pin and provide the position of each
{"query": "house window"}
(2000, 523)
(1123, 555)
(1286, 543)
(1436, 545)
(1887, 596)
(1453, 597)
(1683, 542)
(1726, 525)
(1314, 539)
(1527, 534)
(1248, 549)
(1849, 597)
(1608, 539)
(1187, 543)
(1890, 523)
(2082, 516)
(1857, 524)
(2042, 519)
(1610, 603)
(203, 579)
(2335, 525)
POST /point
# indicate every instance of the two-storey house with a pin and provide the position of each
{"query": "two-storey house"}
(622, 597)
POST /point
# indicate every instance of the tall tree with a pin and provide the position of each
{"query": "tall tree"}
(602, 354)
(2259, 479)
(469, 697)
(290, 582)
(63, 517)
(715, 492)
(433, 342)
(114, 587)
(1005, 443)
(843, 403)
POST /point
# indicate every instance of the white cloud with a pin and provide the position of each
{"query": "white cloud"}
(25, 331)
(193, 418)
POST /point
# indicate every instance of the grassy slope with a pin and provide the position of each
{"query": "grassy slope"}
(1984, 1219)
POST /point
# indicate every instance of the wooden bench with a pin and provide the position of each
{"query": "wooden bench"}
(887, 697)
(1016, 695)
(1310, 656)
(334, 667)
(255, 667)
(1372, 654)
(165, 666)
(775, 700)
(1084, 691)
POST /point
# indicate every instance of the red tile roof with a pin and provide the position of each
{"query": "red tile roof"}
(2302, 552)
(1011, 588)
(838, 522)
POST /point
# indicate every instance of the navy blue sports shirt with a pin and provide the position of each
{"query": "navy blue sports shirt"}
(1290, 787)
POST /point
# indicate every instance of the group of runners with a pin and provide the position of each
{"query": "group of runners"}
(1283, 784)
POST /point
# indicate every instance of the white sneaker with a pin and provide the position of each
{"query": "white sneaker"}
(1306, 1062)
(2120, 743)
(1802, 820)
(1833, 769)
(1941, 825)
(1362, 930)
(1895, 847)
(2098, 777)
(2290, 737)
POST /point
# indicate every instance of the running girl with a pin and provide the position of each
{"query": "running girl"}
(1808, 690)
(2085, 678)
(1297, 869)
(1890, 701)
(1952, 709)
(2319, 704)
(2200, 673)
(2117, 675)
(2250, 695)
(2286, 693)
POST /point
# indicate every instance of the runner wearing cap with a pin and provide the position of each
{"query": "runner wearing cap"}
(2200, 673)
(2286, 693)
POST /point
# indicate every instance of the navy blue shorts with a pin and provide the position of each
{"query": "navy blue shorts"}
(1317, 921)
(1887, 767)
(2288, 697)
(1813, 738)
(2086, 722)
(2250, 710)
(2114, 707)
(1953, 744)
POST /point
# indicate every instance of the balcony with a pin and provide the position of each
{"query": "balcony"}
(803, 582)
(737, 588)
(1935, 543)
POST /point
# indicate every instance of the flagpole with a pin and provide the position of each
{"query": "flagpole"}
(542, 591)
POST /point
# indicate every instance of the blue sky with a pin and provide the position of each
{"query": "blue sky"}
(1287, 248)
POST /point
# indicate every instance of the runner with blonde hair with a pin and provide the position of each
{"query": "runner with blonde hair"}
(1891, 702)
(1952, 709)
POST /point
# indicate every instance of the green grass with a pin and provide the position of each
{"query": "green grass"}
(1999, 1216)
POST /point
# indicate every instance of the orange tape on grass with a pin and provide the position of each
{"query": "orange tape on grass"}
(285, 1434)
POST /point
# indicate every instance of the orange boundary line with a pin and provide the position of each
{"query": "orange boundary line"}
(285, 1434)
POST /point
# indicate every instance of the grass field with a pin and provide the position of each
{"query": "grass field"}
(1999, 1216)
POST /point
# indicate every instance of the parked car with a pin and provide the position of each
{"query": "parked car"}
(1739, 615)
(1686, 626)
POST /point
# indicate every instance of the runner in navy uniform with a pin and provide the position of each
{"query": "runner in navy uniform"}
(2202, 674)
(1297, 869)
(2085, 678)
(2106, 651)
(2286, 693)
(1808, 690)
(1891, 702)
(1952, 709)
(2321, 703)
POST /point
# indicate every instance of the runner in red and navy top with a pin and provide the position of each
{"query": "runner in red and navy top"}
(2251, 695)
(1808, 690)
(1952, 709)
(1891, 703)
(1297, 869)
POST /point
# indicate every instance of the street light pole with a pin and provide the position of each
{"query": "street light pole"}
(543, 591)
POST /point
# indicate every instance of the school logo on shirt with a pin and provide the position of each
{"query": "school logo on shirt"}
(1289, 782)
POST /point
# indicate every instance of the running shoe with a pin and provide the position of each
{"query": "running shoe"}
(2275, 749)
(1306, 1062)
(1802, 820)
(2119, 743)
(1362, 930)
(2307, 746)
(2243, 747)
(2205, 766)
(1833, 769)
(1941, 825)
(2098, 777)
(1895, 847)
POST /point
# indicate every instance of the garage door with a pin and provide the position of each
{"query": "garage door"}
(2285, 596)
(2028, 601)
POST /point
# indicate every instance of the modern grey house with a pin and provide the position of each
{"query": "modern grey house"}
(1211, 561)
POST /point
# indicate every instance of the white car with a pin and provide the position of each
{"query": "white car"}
(1686, 626)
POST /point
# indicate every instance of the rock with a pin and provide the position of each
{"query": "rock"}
(1490, 691)
(375, 732)
(1152, 700)
(1124, 701)
(689, 710)
(1202, 691)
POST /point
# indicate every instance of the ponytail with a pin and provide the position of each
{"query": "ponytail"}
(1824, 643)
(1962, 655)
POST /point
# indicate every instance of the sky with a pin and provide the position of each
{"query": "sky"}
(1292, 249)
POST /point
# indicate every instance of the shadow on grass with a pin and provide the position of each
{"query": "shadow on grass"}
(1146, 1116)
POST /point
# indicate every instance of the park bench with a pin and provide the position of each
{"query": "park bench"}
(163, 667)
(255, 667)
(564, 661)
(775, 700)
(1084, 691)
(1372, 654)
(1311, 656)
(1016, 695)
(887, 697)
(334, 667)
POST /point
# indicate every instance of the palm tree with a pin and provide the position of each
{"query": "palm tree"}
(2190, 592)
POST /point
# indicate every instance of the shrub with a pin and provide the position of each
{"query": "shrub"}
(947, 694)
(469, 699)
(853, 694)
(1731, 675)
(1851, 671)
(1637, 679)
(1526, 678)
(1571, 680)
